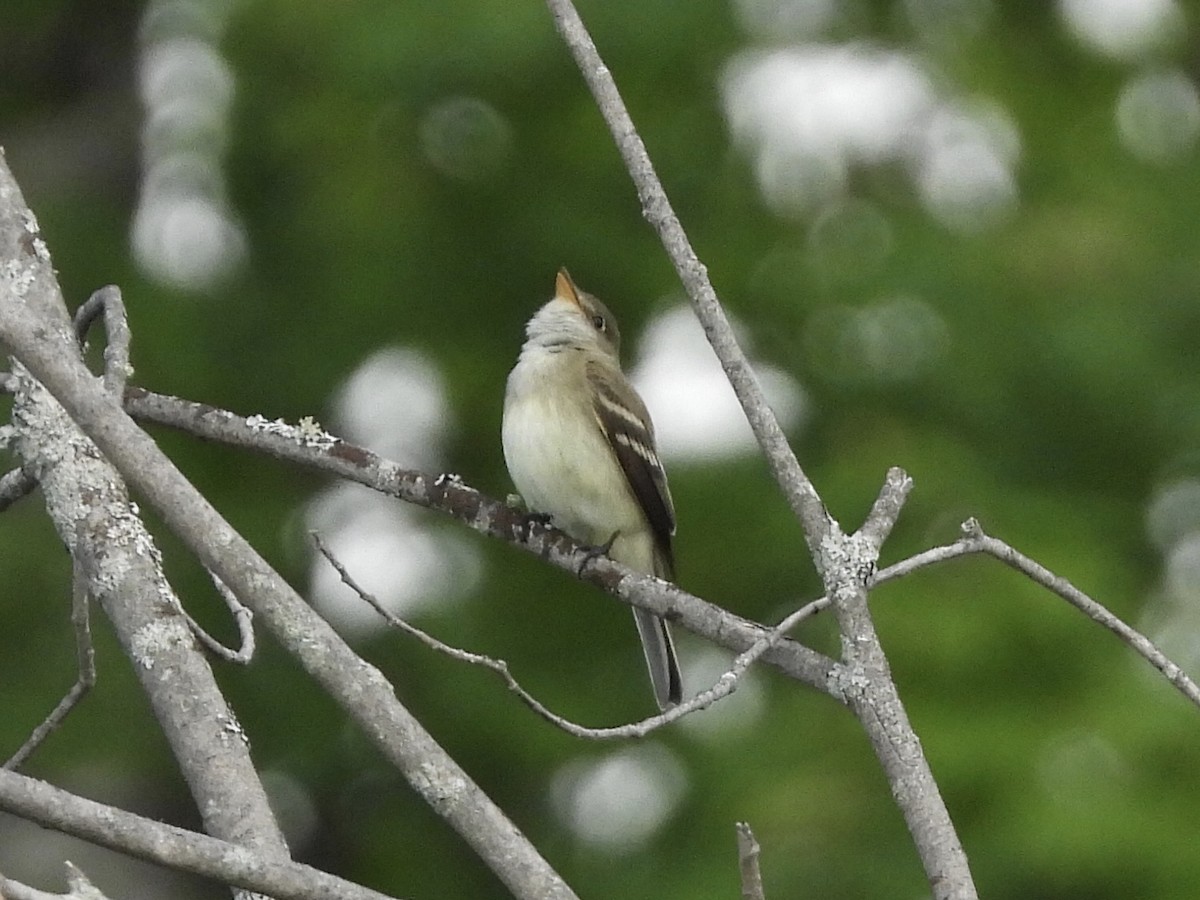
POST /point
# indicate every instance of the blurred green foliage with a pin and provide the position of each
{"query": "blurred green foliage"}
(1067, 393)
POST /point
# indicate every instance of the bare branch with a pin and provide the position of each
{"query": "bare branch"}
(975, 537)
(14, 485)
(975, 540)
(748, 852)
(845, 564)
(308, 445)
(48, 352)
(921, 560)
(90, 508)
(167, 845)
(886, 508)
(242, 615)
(724, 686)
(15, 890)
(78, 888)
(107, 301)
(796, 487)
(867, 686)
(86, 660)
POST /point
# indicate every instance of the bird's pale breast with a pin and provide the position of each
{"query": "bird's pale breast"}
(560, 462)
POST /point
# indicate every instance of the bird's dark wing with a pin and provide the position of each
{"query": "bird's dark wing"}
(626, 424)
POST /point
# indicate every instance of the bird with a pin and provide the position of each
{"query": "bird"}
(579, 446)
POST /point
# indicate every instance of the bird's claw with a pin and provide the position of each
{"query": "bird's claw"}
(593, 553)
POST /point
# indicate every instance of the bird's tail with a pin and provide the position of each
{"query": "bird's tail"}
(660, 658)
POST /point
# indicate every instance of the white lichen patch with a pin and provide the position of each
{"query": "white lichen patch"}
(308, 433)
(232, 727)
(312, 434)
(156, 638)
(30, 223)
(20, 277)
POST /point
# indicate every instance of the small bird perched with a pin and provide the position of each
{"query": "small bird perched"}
(579, 446)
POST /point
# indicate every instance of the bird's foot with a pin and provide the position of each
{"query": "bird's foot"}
(594, 553)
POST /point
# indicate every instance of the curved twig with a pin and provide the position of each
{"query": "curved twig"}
(723, 687)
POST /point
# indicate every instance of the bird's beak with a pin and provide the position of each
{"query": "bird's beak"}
(564, 288)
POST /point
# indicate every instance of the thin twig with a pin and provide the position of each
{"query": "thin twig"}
(976, 541)
(14, 485)
(1142, 645)
(724, 686)
(748, 853)
(107, 301)
(78, 887)
(15, 890)
(921, 560)
(18, 482)
(85, 655)
(242, 615)
(885, 511)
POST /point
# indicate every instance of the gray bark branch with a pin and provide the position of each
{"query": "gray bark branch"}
(307, 445)
(90, 508)
(845, 563)
(168, 845)
(34, 329)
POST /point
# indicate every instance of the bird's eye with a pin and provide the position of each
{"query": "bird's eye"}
(598, 322)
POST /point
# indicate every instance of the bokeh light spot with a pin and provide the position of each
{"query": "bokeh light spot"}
(1158, 116)
(391, 551)
(809, 114)
(1174, 513)
(1123, 29)
(849, 239)
(466, 139)
(696, 414)
(183, 233)
(395, 404)
(617, 802)
(891, 341)
(788, 19)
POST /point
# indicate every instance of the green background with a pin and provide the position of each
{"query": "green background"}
(1064, 399)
